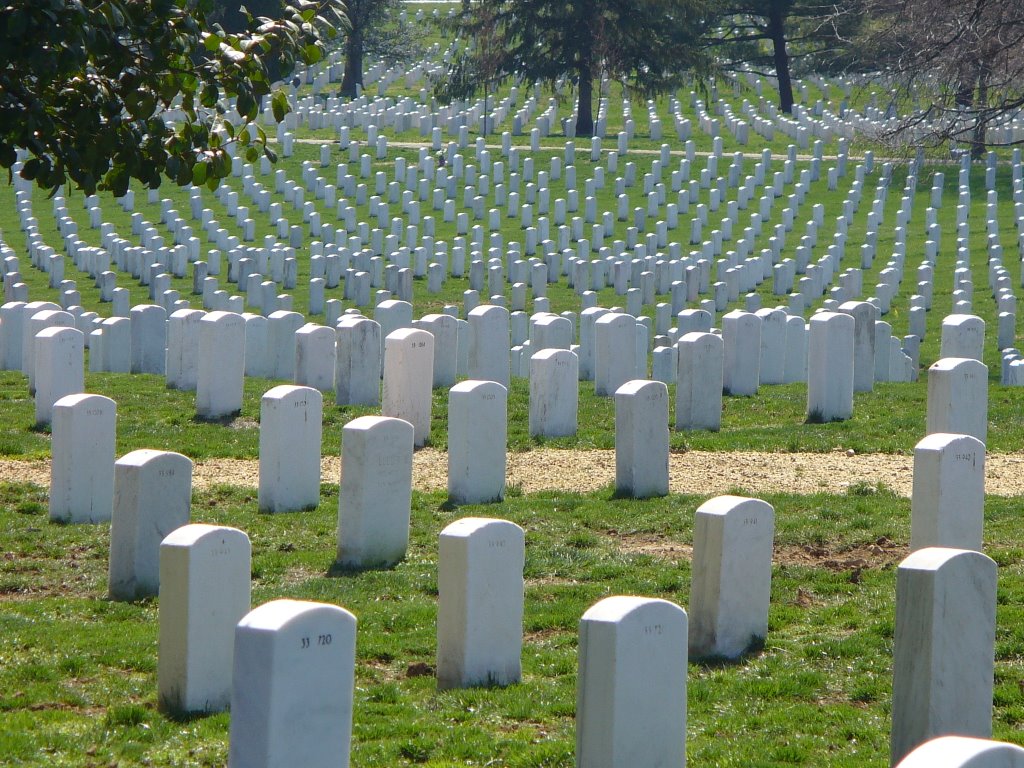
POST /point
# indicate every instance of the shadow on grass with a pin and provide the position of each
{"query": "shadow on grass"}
(338, 570)
(753, 650)
(220, 421)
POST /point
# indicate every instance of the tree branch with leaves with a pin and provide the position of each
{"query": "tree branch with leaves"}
(86, 87)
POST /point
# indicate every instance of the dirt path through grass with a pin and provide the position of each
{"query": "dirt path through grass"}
(584, 471)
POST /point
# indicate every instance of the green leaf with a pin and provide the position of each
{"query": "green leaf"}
(199, 173)
(311, 54)
(280, 106)
(246, 105)
(30, 170)
(212, 42)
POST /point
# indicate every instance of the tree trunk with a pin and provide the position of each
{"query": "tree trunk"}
(981, 118)
(353, 63)
(777, 33)
(585, 110)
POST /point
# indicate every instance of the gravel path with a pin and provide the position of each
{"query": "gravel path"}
(583, 471)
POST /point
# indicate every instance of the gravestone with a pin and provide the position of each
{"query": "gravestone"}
(358, 366)
(963, 336)
(408, 375)
(152, 497)
(392, 314)
(943, 651)
(772, 362)
(796, 350)
(480, 603)
(182, 366)
(315, 357)
(477, 428)
(445, 330)
(554, 393)
(149, 338)
(614, 352)
(204, 592)
(221, 380)
(732, 576)
(59, 368)
(489, 344)
(741, 335)
(34, 325)
(948, 502)
(641, 439)
(864, 314)
(375, 498)
(631, 685)
(292, 684)
(116, 345)
(700, 365)
(964, 752)
(281, 328)
(30, 329)
(830, 367)
(291, 429)
(958, 397)
(12, 321)
(257, 353)
(82, 465)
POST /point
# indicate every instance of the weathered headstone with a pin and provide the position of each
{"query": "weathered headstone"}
(376, 492)
(741, 335)
(220, 384)
(149, 338)
(292, 684)
(830, 367)
(152, 497)
(732, 576)
(631, 686)
(315, 357)
(357, 371)
(204, 592)
(641, 439)
(281, 328)
(864, 315)
(554, 393)
(948, 503)
(480, 603)
(944, 647)
(700, 365)
(958, 397)
(445, 330)
(59, 368)
(291, 429)
(963, 336)
(82, 465)
(182, 367)
(408, 375)
(489, 344)
(34, 325)
(614, 352)
(477, 428)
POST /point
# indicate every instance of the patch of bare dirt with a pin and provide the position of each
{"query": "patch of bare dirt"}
(697, 472)
(883, 553)
(655, 545)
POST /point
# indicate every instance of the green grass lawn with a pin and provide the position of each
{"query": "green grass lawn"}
(78, 679)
